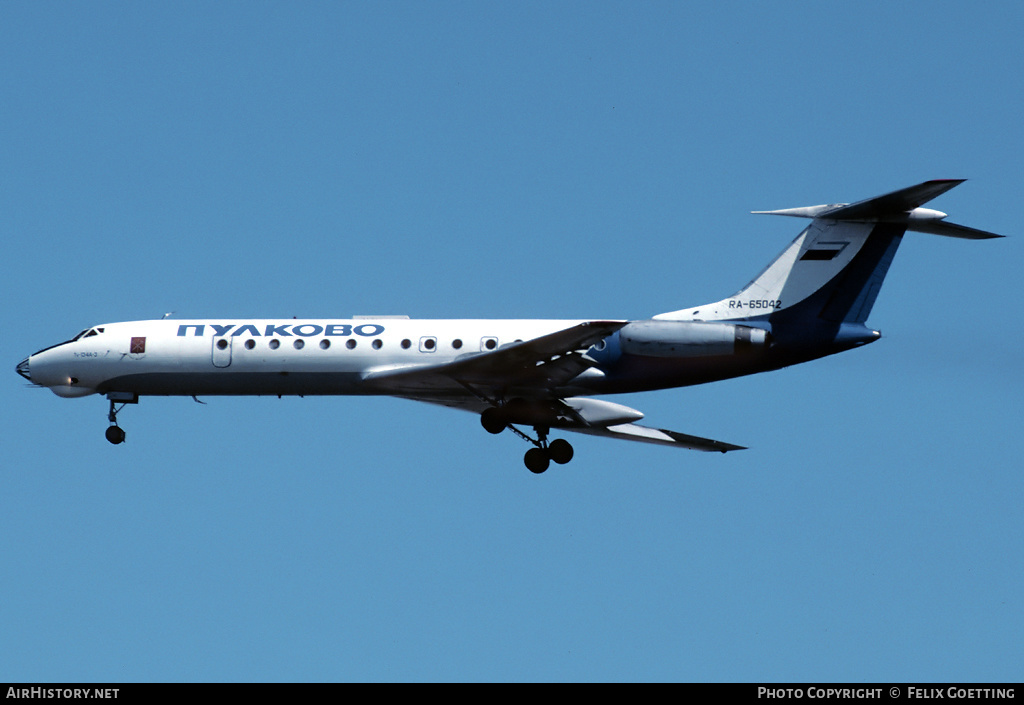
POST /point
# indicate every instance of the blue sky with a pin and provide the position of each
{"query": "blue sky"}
(512, 160)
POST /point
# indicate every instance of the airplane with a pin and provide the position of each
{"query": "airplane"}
(813, 300)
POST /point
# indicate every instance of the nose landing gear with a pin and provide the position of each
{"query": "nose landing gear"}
(114, 433)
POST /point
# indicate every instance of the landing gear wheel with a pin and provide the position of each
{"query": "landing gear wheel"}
(560, 451)
(491, 420)
(536, 460)
(115, 434)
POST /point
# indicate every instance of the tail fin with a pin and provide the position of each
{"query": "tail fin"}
(832, 272)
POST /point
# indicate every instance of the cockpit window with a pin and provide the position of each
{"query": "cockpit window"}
(87, 333)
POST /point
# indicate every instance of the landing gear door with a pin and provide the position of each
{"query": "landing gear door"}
(221, 351)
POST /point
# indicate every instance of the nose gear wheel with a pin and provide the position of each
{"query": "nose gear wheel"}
(115, 434)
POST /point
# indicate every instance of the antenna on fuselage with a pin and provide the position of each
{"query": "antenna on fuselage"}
(167, 315)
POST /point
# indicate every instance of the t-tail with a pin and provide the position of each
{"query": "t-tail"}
(815, 298)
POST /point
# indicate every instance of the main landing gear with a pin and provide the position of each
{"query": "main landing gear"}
(538, 458)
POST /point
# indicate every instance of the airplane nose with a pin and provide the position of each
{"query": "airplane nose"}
(23, 369)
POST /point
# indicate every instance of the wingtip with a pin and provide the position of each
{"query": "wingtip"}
(731, 448)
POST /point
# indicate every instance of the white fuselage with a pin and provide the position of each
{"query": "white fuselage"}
(267, 356)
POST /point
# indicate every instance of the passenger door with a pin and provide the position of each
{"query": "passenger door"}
(221, 351)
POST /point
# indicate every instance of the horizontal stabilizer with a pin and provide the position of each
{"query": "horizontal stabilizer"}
(903, 206)
(895, 203)
(940, 227)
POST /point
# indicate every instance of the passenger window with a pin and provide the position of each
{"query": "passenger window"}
(250, 344)
(299, 344)
(488, 343)
(456, 343)
(324, 344)
(275, 344)
(406, 344)
(428, 344)
(350, 344)
(377, 344)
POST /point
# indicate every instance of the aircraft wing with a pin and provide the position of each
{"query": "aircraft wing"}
(578, 418)
(542, 363)
(646, 434)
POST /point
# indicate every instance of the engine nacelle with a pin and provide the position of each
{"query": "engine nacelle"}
(691, 339)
